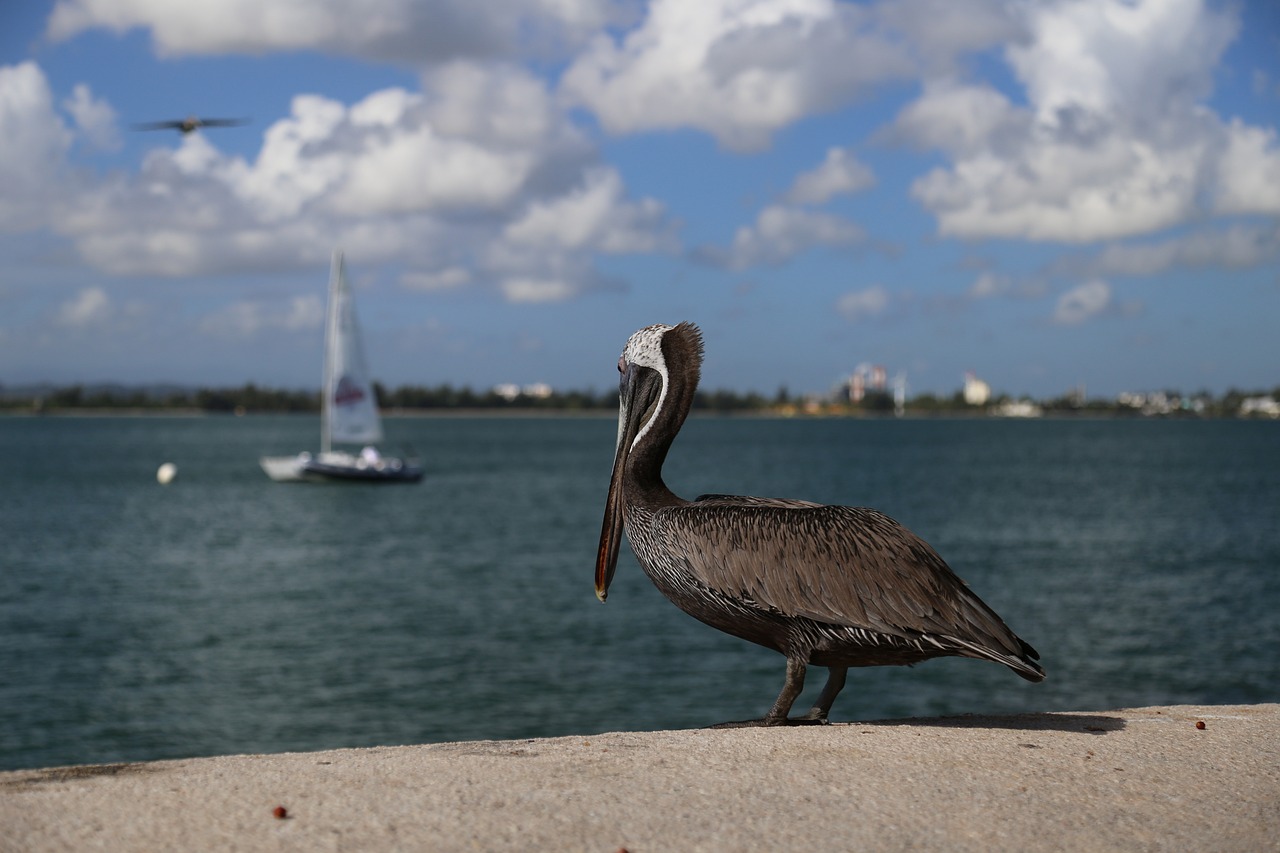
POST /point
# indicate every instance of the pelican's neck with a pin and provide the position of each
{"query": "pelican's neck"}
(644, 484)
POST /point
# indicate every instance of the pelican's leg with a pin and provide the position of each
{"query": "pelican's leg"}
(835, 683)
(777, 715)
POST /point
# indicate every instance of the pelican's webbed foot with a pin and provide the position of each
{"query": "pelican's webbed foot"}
(806, 720)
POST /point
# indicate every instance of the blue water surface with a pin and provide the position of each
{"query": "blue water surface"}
(225, 613)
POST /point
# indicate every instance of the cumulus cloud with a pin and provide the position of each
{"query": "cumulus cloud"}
(95, 118)
(448, 278)
(779, 234)
(1239, 246)
(987, 285)
(245, 319)
(1112, 140)
(89, 307)
(1082, 302)
(382, 30)
(1249, 171)
(859, 305)
(941, 31)
(33, 173)
(737, 69)
(991, 285)
(838, 174)
(595, 215)
(478, 171)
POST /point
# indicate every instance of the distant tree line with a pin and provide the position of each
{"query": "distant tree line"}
(250, 398)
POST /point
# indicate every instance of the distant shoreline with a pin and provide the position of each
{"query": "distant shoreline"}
(610, 414)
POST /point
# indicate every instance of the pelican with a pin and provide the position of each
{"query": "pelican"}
(190, 124)
(831, 586)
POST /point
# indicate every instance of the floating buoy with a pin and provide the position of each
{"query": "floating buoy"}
(166, 473)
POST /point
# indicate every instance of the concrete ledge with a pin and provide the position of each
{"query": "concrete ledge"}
(1139, 779)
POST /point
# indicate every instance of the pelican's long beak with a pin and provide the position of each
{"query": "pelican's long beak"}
(611, 529)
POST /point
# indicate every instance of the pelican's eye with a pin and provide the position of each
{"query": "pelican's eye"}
(622, 365)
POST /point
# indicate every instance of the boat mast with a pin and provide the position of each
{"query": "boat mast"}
(330, 356)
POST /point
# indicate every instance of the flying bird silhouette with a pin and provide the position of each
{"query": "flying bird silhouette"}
(190, 124)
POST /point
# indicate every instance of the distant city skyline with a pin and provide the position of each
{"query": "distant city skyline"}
(1045, 194)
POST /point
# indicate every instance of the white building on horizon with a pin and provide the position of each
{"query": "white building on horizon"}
(976, 392)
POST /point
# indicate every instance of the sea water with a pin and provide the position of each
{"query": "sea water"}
(225, 613)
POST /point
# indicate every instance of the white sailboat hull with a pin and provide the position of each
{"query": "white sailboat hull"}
(283, 469)
(339, 466)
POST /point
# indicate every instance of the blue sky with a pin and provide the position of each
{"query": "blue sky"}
(1046, 193)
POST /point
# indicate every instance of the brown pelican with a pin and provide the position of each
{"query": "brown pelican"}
(190, 124)
(831, 586)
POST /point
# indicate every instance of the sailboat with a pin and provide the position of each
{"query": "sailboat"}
(349, 407)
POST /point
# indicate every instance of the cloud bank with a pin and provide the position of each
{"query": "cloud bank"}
(491, 173)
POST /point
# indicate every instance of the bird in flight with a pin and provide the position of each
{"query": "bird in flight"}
(190, 124)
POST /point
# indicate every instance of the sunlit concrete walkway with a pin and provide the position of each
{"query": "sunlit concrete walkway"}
(1141, 779)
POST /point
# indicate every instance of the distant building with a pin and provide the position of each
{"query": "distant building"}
(976, 392)
(857, 387)
(1260, 406)
(510, 391)
(538, 390)
(864, 377)
(1017, 409)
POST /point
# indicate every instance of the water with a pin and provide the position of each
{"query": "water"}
(225, 613)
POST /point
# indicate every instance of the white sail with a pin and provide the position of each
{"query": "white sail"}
(349, 410)
(350, 405)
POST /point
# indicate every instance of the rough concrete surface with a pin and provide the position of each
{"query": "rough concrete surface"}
(1138, 779)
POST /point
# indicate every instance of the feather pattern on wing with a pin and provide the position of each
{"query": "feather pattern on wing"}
(845, 566)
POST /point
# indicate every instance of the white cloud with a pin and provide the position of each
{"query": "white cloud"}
(522, 288)
(245, 319)
(436, 280)
(779, 234)
(991, 285)
(594, 216)
(90, 306)
(381, 30)
(1113, 141)
(1236, 247)
(987, 285)
(861, 304)
(33, 178)
(95, 118)
(965, 120)
(1140, 57)
(839, 173)
(1069, 192)
(940, 31)
(480, 171)
(737, 69)
(1082, 302)
(502, 104)
(1249, 171)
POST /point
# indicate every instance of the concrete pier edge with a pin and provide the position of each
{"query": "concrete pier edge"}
(1162, 778)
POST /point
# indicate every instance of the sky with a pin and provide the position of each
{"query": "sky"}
(1048, 193)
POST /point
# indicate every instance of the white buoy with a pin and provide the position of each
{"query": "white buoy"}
(166, 473)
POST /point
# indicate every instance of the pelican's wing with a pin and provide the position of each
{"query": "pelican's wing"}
(222, 122)
(158, 125)
(839, 565)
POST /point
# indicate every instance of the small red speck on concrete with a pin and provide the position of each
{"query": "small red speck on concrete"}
(280, 812)
(1199, 724)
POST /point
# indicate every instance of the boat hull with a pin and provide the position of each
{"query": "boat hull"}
(339, 467)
